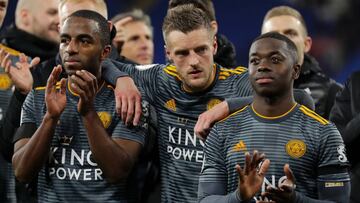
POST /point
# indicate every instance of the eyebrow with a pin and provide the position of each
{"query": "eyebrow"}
(268, 54)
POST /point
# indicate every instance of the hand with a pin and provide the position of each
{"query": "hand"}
(207, 119)
(19, 74)
(85, 85)
(252, 177)
(285, 193)
(119, 39)
(55, 99)
(128, 101)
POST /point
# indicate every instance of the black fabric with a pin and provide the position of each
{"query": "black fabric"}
(346, 116)
(319, 84)
(29, 44)
(226, 53)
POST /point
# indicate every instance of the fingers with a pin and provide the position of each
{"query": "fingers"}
(34, 62)
(118, 104)
(51, 82)
(289, 174)
(247, 162)
(138, 111)
(202, 126)
(124, 108)
(130, 111)
(63, 86)
(264, 167)
(240, 172)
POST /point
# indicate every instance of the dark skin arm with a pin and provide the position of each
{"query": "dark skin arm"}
(114, 156)
(30, 154)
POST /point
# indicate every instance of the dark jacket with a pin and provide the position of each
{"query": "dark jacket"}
(28, 44)
(322, 88)
(346, 116)
(226, 54)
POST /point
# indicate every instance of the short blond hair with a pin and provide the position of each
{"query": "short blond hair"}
(286, 10)
(99, 4)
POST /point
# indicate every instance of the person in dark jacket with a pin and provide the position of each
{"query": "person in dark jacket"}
(226, 54)
(346, 116)
(289, 22)
(35, 32)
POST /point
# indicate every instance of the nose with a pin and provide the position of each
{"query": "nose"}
(145, 43)
(263, 66)
(72, 47)
(193, 58)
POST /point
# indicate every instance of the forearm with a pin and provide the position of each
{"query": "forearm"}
(338, 193)
(30, 158)
(238, 103)
(113, 160)
(214, 192)
(111, 73)
(229, 198)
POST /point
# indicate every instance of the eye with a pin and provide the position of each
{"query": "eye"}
(85, 41)
(182, 53)
(254, 61)
(201, 50)
(275, 60)
(291, 33)
(64, 40)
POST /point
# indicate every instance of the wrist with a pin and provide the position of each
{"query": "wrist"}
(51, 118)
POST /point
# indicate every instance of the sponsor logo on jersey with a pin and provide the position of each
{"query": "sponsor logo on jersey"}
(65, 140)
(105, 118)
(342, 155)
(171, 105)
(334, 184)
(295, 148)
(240, 146)
(212, 103)
(5, 82)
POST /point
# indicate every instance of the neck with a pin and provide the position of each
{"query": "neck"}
(200, 89)
(273, 106)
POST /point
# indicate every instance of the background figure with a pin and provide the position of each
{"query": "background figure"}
(134, 37)
(289, 22)
(226, 54)
(35, 32)
(346, 116)
(7, 180)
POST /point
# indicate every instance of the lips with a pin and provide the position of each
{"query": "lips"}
(264, 79)
(195, 73)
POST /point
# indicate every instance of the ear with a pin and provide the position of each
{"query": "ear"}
(25, 17)
(110, 24)
(215, 45)
(214, 26)
(308, 43)
(167, 52)
(296, 71)
(106, 52)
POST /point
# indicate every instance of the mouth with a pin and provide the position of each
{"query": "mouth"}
(195, 73)
(264, 80)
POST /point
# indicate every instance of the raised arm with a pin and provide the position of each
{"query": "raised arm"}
(114, 156)
(30, 154)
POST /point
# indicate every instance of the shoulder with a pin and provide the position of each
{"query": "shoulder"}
(312, 116)
(226, 73)
(234, 116)
(171, 71)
